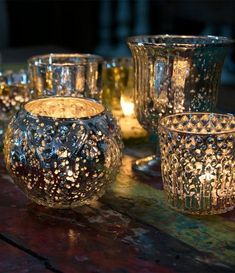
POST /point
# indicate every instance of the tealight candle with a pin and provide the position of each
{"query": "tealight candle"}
(198, 162)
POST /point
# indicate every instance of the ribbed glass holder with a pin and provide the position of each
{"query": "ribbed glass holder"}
(76, 75)
(174, 74)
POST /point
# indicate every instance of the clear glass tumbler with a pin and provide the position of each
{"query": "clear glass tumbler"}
(77, 75)
(174, 74)
(198, 161)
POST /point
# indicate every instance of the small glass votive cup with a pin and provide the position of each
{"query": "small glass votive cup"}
(76, 75)
(14, 92)
(198, 162)
(118, 95)
(63, 152)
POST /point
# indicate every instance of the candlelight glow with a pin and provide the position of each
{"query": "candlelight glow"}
(64, 107)
(127, 107)
(196, 163)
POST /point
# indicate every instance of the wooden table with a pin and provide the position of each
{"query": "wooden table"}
(130, 230)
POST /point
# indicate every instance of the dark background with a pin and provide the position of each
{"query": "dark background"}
(32, 27)
(77, 25)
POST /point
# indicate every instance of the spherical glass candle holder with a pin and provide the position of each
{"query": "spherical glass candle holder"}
(77, 75)
(63, 152)
(198, 162)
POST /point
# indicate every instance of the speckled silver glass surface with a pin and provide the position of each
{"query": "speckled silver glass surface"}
(198, 161)
(63, 152)
(14, 92)
(77, 75)
(174, 74)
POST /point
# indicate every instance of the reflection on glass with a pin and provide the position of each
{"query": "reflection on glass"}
(174, 74)
(63, 152)
(77, 75)
(14, 92)
(198, 159)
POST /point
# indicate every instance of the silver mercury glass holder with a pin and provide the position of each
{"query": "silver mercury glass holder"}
(198, 160)
(63, 152)
(174, 74)
(14, 92)
(76, 75)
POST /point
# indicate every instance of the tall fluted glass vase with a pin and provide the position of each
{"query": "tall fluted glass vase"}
(174, 74)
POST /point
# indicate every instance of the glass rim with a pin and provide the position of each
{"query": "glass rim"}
(181, 131)
(64, 118)
(82, 58)
(118, 61)
(181, 40)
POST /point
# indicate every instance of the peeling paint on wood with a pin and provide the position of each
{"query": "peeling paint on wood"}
(131, 230)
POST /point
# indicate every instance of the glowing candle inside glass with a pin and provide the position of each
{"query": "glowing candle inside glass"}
(127, 107)
(118, 96)
(129, 124)
(66, 151)
(198, 159)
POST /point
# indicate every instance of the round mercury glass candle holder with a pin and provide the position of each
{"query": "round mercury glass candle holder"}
(198, 162)
(76, 75)
(62, 151)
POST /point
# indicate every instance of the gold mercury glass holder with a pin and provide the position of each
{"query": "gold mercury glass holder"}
(14, 92)
(174, 74)
(198, 162)
(63, 152)
(76, 75)
(118, 96)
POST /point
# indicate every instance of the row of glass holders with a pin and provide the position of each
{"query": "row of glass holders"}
(63, 147)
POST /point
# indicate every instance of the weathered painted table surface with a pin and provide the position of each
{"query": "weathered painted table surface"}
(130, 230)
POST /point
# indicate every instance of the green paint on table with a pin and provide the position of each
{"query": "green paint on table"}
(141, 201)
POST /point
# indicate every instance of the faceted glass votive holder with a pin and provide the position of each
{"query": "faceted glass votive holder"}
(63, 152)
(198, 162)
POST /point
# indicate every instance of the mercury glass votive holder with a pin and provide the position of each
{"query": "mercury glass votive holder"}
(198, 162)
(76, 75)
(14, 92)
(174, 74)
(118, 95)
(62, 151)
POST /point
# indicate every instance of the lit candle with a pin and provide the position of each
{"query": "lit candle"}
(128, 122)
(65, 153)
(118, 96)
(197, 161)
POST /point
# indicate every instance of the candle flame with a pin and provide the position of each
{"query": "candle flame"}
(127, 107)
